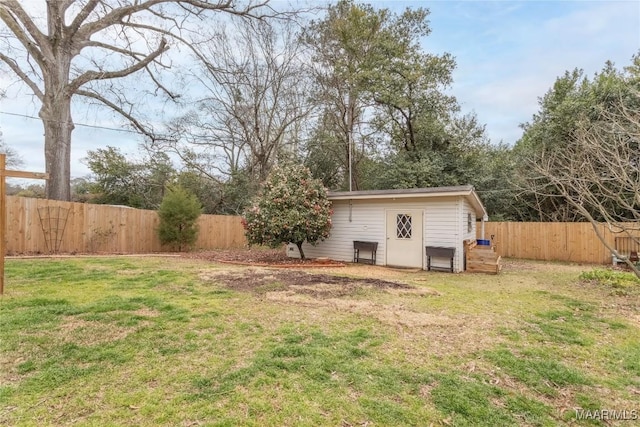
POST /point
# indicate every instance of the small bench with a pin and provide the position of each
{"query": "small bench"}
(439, 252)
(628, 248)
(371, 247)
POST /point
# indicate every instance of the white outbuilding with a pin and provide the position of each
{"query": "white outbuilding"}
(416, 228)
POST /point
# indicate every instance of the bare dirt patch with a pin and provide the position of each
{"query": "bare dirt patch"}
(323, 291)
(320, 286)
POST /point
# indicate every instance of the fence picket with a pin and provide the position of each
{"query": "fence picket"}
(116, 229)
(108, 229)
(570, 241)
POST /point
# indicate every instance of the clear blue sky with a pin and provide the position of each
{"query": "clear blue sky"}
(508, 54)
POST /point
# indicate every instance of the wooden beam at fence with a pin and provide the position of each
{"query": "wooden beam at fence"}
(28, 175)
(3, 207)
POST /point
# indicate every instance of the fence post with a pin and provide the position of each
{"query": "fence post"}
(3, 208)
(3, 221)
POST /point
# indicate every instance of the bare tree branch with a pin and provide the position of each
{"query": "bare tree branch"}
(15, 18)
(52, 61)
(121, 50)
(14, 11)
(82, 15)
(88, 76)
(598, 173)
(22, 75)
(117, 108)
(255, 97)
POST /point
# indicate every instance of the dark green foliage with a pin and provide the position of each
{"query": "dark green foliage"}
(118, 180)
(292, 208)
(375, 84)
(178, 212)
(620, 282)
(577, 155)
(228, 197)
(381, 92)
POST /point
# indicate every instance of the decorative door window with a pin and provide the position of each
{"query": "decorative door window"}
(403, 226)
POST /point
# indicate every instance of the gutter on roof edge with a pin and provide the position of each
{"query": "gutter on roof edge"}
(396, 195)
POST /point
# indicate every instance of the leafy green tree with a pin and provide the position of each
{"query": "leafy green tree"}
(574, 103)
(494, 183)
(449, 155)
(412, 108)
(219, 197)
(237, 192)
(383, 99)
(343, 46)
(118, 180)
(179, 212)
(323, 154)
(81, 190)
(291, 208)
(596, 173)
(205, 189)
(35, 191)
(157, 171)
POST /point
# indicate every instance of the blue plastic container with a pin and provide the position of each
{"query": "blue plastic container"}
(482, 242)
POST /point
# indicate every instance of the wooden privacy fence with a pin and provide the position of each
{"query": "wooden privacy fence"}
(93, 228)
(550, 241)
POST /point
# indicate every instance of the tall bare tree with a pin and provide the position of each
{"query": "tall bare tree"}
(80, 45)
(254, 102)
(13, 159)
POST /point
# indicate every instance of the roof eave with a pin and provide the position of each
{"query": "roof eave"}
(481, 212)
(396, 196)
(469, 193)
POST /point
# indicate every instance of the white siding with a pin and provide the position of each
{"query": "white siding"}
(367, 223)
(442, 227)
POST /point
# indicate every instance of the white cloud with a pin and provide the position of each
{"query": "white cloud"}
(511, 56)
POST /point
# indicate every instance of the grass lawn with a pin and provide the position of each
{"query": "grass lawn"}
(178, 342)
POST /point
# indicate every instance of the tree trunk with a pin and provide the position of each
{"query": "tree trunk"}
(56, 110)
(299, 245)
(351, 152)
(58, 125)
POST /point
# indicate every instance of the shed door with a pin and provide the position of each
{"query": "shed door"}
(404, 238)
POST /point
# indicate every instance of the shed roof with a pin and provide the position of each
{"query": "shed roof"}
(466, 191)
